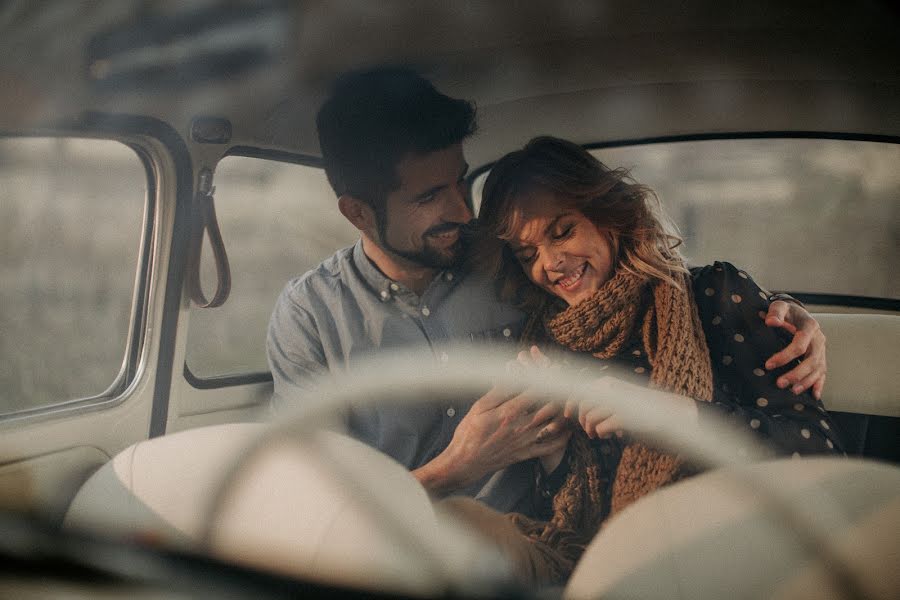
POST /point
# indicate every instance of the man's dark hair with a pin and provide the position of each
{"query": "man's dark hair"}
(375, 118)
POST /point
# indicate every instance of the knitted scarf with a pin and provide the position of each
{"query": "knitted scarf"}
(626, 308)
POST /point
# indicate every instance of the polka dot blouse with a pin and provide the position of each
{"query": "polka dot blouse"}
(732, 309)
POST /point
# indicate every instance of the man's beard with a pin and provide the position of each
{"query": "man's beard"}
(428, 256)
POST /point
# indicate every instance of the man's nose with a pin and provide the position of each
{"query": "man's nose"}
(459, 211)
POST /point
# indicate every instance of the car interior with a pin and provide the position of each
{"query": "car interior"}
(161, 180)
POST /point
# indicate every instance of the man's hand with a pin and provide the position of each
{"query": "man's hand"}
(808, 342)
(502, 428)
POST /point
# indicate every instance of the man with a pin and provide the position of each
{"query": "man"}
(392, 148)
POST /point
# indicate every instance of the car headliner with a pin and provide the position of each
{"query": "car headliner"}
(589, 71)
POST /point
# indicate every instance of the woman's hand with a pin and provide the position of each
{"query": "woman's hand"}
(808, 342)
(601, 422)
(557, 427)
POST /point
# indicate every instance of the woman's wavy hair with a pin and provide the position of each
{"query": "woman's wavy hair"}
(644, 240)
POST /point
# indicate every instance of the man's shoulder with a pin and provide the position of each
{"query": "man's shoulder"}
(321, 281)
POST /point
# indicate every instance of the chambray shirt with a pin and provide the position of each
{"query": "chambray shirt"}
(345, 310)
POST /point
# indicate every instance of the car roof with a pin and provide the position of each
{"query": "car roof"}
(589, 71)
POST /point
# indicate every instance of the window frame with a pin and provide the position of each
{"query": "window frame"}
(132, 357)
(842, 300)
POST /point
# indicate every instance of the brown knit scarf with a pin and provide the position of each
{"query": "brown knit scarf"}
(664, 318)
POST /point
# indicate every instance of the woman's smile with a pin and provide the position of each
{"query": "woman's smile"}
(571, 280)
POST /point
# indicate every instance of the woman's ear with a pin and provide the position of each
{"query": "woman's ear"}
(359, 213)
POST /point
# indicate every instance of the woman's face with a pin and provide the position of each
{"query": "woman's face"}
(560, 249)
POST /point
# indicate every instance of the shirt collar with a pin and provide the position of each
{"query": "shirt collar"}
(385, 287)
(370, 273)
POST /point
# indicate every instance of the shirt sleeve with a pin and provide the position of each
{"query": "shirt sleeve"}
(732, 309)
(294, 351)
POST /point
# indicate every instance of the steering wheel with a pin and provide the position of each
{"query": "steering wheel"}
(716, 446)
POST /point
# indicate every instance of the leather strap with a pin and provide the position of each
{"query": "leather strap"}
(203, 219)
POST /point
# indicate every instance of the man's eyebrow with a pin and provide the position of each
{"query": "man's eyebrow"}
(438, 188)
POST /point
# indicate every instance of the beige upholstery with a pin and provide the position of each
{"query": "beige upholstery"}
(288, 511)
(301, 515)
(158, 489)
(862, 363)
(710, 538)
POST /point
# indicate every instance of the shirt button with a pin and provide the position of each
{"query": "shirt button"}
(425, 311)
(451, 411)
(444, 358)
(449, 276)
(395, 287)
(507, 332)
(384, 294)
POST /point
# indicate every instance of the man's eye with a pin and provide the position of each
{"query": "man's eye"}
(426, 198)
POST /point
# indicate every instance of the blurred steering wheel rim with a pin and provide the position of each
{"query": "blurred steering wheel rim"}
(717, 446)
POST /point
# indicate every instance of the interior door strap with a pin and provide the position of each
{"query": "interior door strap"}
(203, 219)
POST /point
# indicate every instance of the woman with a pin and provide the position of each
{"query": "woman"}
(587, 254)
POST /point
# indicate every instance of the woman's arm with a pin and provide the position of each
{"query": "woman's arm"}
(733, 310)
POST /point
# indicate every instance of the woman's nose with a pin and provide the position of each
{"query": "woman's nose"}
(553, 260)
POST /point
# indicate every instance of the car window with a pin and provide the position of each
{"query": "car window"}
(807, 215)
(278, 220)
(71, 220)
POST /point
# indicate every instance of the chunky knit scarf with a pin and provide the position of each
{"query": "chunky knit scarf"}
(627, 308)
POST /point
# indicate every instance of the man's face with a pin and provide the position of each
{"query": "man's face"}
(424, 217)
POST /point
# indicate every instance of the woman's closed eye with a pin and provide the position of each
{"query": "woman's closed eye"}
(564, 233)
(525, 255)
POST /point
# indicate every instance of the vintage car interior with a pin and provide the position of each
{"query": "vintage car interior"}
(160, 181)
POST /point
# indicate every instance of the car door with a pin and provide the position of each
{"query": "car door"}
(95, 220)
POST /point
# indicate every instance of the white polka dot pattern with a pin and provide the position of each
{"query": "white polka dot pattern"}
(740, 343)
